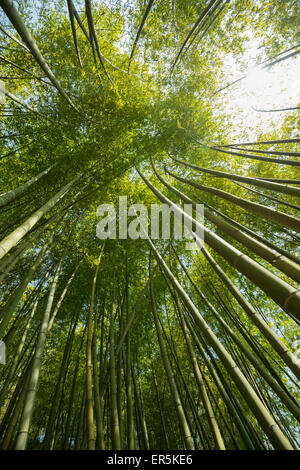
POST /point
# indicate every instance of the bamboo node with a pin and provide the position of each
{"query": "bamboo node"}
(288, 298)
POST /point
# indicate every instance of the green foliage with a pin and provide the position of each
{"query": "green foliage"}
(142, 114)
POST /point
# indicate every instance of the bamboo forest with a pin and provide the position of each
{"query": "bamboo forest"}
(136, 341)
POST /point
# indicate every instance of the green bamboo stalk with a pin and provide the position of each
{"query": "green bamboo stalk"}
(200, 382)
(244, 179)
(67, 433)
(188, 440)
(277, 259)
(11, 195)
(31, 391)
(286, 355)
(25, 105)
(276, 216)
(48, 441)
(116, 441)
(195, 26)
(284, 295)
(17, 356)
(267, 422)
(14, 237)
(93, 36)
(12, 302)
(71, 15)
(128, 378)
(147, 11)
(62, 296)
(290, 404)
(17, 21)
(98, 399)
(89, 362)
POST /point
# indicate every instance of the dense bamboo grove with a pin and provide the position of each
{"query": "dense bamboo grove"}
(142, 344)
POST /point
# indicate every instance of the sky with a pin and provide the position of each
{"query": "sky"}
(273, 88)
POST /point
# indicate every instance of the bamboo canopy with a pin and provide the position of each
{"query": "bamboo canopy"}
(149, 225)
